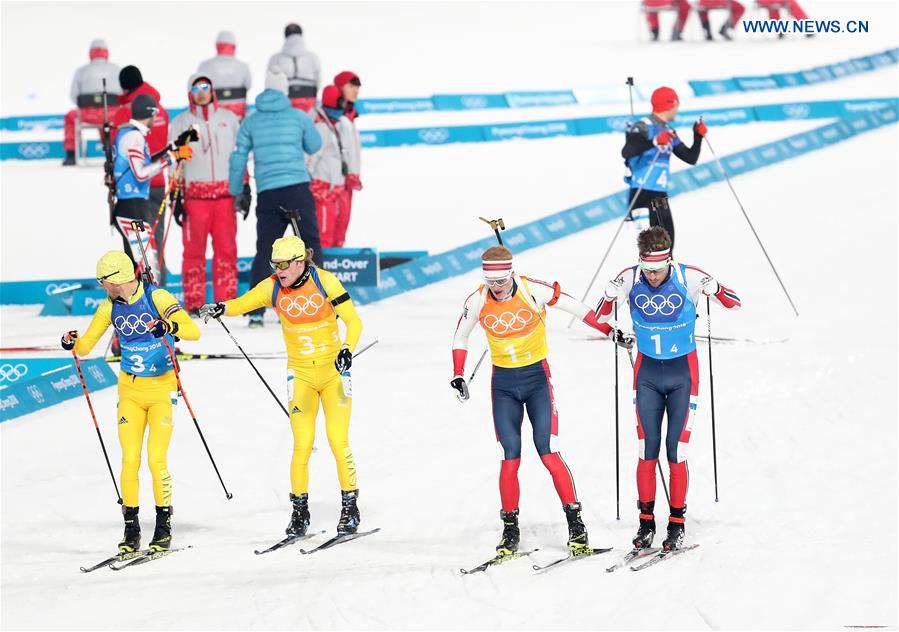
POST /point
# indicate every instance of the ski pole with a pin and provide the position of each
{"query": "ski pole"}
(365, 348)
(751, 227)
(708, 305)
(168, 347)
(497, 225)
(237, 344)
(96, 425)
(617, 466)
(292, 216)
(627, 214)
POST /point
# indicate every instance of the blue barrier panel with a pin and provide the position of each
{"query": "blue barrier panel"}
(703, 88)
(789, 79)
(352, 266)
(433, 135)
(469, 101)
(57, 385)
(541, 129)
(540, 99)
(759, 82)
(393, 106)
(15, 370)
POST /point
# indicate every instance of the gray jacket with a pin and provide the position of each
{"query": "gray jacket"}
(89, 79)
(327, 163)
(218, 133)
(226, 72)
(301, 65)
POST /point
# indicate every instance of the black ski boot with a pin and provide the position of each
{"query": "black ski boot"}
(707, 29)
(508, 544)
(647, 530)
(577, 532)
(654, 33)
(725, 31)
(70, 159)
(349, 513)
(162, 536)
(131, 540)
(299, 519)
(676, 35)
(676, 530)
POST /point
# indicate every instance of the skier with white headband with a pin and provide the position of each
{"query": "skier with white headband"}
(512, 311)
(662, 295)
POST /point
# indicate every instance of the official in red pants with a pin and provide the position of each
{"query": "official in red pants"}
(205, 208)
(87, 94)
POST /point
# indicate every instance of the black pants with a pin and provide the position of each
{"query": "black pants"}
(272, 223)
(657, 217)
(146, 210)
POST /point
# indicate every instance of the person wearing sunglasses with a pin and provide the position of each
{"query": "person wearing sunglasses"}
(308, 302)
(662, 296)
(203, 207)
(512, 311)
(146, 319)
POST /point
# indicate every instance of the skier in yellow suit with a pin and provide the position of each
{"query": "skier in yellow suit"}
(145, 318)
(308, 302)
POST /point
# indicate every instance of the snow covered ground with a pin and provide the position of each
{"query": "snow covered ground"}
(806, 427)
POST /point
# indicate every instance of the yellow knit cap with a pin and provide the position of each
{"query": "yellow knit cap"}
(116, 267)
(287, 248)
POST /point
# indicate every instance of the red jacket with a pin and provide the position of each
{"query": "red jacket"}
(159, 134)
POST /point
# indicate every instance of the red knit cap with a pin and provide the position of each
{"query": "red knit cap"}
(331, 97)
(663, 99)
(345, 77)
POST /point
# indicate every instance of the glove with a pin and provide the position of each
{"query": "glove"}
(664, 138)
(160, 327)
(187, 136)
(710, 286)
(242, 202)
(181, 153)
(621, 339)
(613, 289)
(212, 310)
(352, 182)
(178, 211)
(699, 128)
(344, 359)
(68, 340)
(458, 383)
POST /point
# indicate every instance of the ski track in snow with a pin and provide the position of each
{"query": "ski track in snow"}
(806, 429)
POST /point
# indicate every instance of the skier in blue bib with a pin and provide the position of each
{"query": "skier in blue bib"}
(647, 151)
(662, 296)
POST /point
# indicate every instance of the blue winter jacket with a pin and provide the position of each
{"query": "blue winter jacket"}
(278, 135)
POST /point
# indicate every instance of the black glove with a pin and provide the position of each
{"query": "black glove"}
(621, 339)
(68, 340)
(242, 202)
(178, 211)
(212, 310)
(160, 327)
(459, 384)
(187, 136)
(344, 360)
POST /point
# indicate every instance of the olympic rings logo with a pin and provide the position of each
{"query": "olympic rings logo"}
(658, 304)
(12, 372)
(133, 324)
(434, 136)
(508, 322)
(301, 306)
(34, 150)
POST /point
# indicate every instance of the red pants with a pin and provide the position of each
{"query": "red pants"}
(303, 103)
(218, 219)
(683, 12)
(343, 217)
(238, 107)
(329, 207)
(736, 10)
(794, 9)
(91, 116)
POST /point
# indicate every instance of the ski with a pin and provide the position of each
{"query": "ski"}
(118, 557)
(338, 539)
(634, 554)
(496, 561)
(725, 339)
(662, 556)
(570, 558)
(146, 556)
(292, 539)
